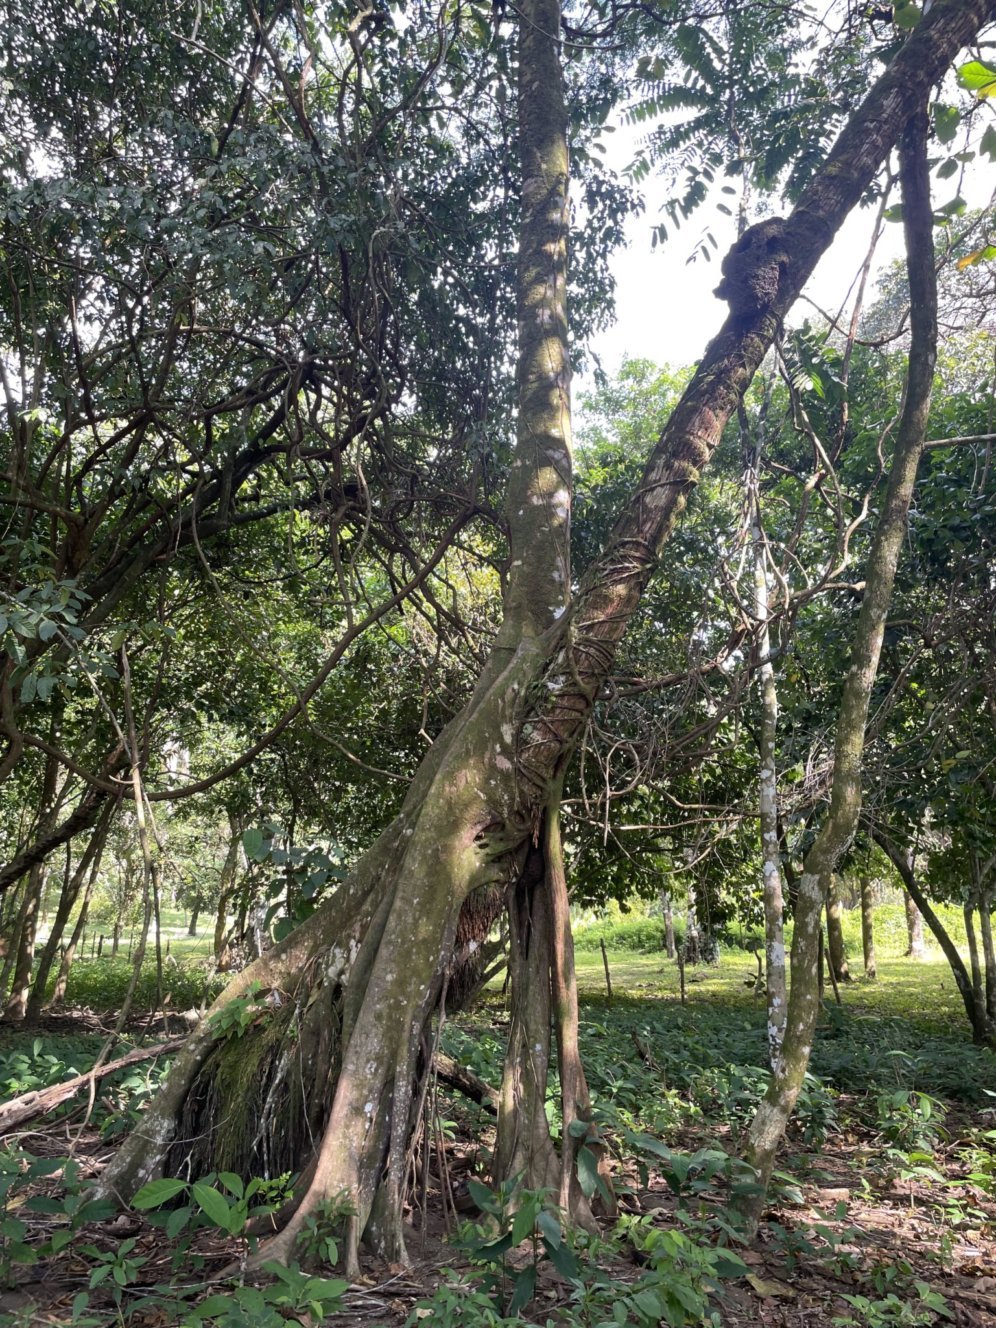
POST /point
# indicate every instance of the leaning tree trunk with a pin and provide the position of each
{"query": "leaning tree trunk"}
(328, 1073)
(982, 1030)
(768, 1126)
(20, 988)
(69, 953)
(89, 864)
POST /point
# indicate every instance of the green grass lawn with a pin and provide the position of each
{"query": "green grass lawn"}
(922, 989)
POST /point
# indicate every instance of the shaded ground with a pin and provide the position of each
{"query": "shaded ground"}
(888, 1187)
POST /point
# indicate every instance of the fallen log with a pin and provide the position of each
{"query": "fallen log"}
(40, 1101)
(455, 1075)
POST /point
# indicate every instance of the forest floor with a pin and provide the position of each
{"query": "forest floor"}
(884, 1211)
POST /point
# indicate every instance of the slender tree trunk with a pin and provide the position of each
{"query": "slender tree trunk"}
(975, 964)
(775, 982)
(668, 910)
(868, 928)
(914, 928)
(988, 951)
(903, 863)
(195, 910)
(836, 951)
(88, 863)
(768, 1127)
(358, 982)
(69, 954)
(20, 988)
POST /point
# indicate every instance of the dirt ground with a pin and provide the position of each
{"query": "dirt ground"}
(854, 1231)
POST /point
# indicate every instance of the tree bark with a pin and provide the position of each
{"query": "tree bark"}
(914, 928)
(903, 863)
(868, 928)
(69, 954)
(975, 965)
(836, 952)
(775, 983)
(668, 910)
(989, 952)
(768, 1127)
(20, 988)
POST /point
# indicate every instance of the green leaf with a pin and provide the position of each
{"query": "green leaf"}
(158, 1192)
(649, 1304)
(523, 1224)
(947, 169)
(587, 1171)
(946, 121)
(252, 842)
(550, 1227)
(525, 1285)
(563, 1259)
(212, 1307)
(232, 1183)
(482, 1196)
(978, 78)
(493, 1251)
(177, 1220)
(214, 1205)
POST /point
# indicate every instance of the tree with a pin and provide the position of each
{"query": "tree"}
(366, 971)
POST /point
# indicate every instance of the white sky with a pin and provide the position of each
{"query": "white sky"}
(666, 309)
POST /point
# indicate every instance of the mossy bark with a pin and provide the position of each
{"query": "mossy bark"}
(836, 951)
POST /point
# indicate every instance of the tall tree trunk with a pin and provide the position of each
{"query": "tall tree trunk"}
(914, 928)
(775, 981)
(88, 863)
(195, 909)
(836, 951)
(359, 980)
(868, 928)
(983, 894)
(975, 964)
(988, 951)
(768, 1126)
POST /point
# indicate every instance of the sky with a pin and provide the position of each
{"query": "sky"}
(666, 309)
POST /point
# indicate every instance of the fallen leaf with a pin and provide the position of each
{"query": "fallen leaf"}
(769, 1287)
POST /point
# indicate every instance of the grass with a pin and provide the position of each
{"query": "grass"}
(667, 1076)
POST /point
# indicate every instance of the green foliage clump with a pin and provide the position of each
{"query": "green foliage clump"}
(101, 984)
(636, 935)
